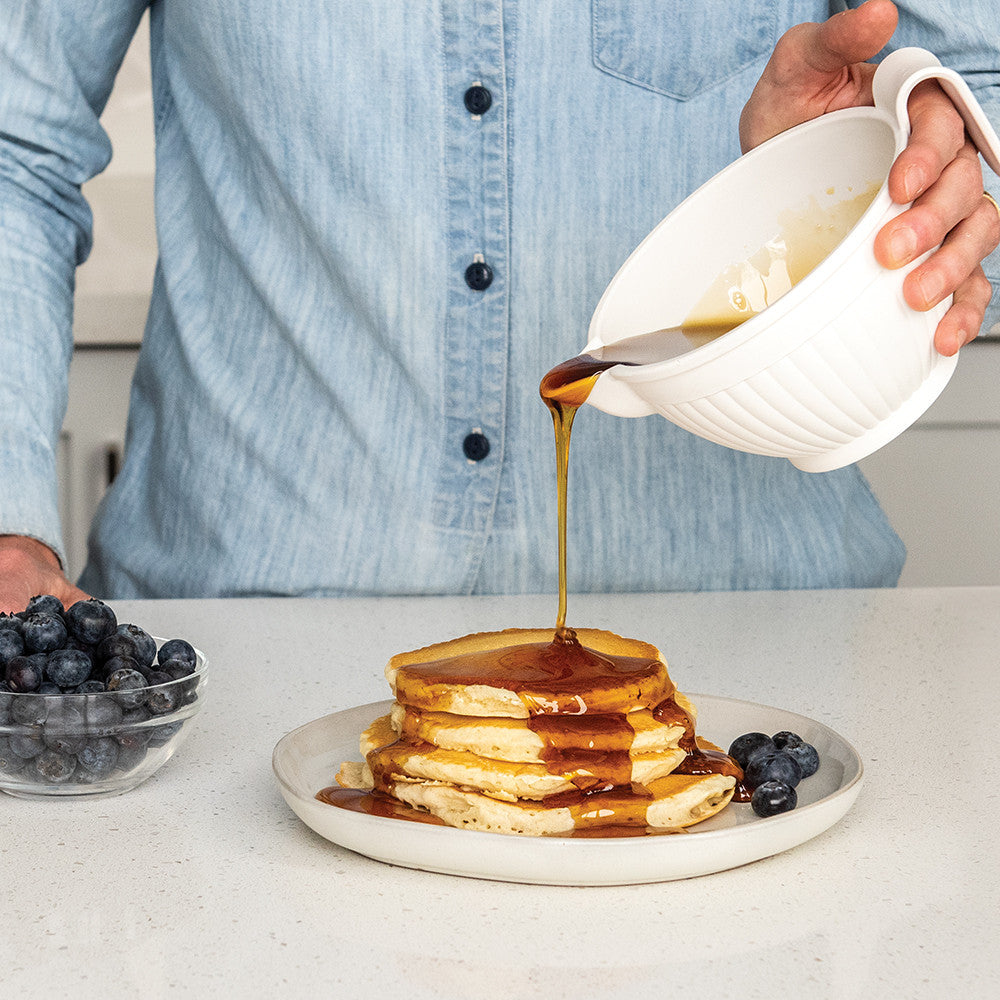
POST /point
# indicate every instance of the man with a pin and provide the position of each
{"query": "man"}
(379, 225)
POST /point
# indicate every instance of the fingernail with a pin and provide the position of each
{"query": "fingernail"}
(913, 182)
(951, 345)
(902, 245)
(931, 286)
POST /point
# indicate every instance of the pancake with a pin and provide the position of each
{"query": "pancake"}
(515, 740)
(390, 760)
(529, 732)
(676, 802)
(518, 673)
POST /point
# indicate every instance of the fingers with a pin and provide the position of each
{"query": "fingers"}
(962, 321)
(956, 269)
(964, 247)
(939, 172)
(955, 195)
(15, 592)
(954, 213)
(937, 136)
(29, 568)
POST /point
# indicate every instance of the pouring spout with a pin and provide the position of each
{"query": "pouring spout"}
(612, 395)
(578, 380)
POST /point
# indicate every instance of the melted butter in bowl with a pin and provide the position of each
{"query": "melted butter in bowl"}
(805, 237)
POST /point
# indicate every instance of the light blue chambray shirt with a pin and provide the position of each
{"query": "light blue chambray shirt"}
(315, 360)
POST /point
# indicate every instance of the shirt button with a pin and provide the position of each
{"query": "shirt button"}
(478, 99)
(479, 276)
(476, 446)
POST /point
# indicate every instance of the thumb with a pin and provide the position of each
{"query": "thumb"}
(852, 36)
(816, 68)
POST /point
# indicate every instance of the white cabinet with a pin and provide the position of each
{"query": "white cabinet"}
(939, 481)
(92, 440)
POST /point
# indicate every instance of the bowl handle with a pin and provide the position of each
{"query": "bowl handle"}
(903, 69)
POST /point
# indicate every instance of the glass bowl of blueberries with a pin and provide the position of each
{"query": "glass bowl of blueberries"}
(89, 705)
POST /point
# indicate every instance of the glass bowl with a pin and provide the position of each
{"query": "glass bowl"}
(104, 742)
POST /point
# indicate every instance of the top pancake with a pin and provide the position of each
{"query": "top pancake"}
(518, 673)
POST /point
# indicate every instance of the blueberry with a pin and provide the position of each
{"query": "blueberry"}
(45, 603)
(771, 765)
(177, 649)
(29, 710)
(11, 623)
(130, 757)
(26, 746)
(129, 684)
(786, 739)
(162, 735)
(806, 756)
(101, 714)
(85, 647)
(163, 700)
(99, 756)
(11, 645)
(24, 673)
(90, 620)
(54, 767)
(68, 667)
(116, 663)
(743, 746)
(92, 686)
(43, 632)
(10, 762)
(176, 669)
(145, 644)
(132, 735)
(118, 644)
(773, 797)
(64, 726)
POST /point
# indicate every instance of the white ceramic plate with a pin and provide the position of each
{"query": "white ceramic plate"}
(307, 759)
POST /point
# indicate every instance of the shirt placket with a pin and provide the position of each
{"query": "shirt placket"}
(476, 321)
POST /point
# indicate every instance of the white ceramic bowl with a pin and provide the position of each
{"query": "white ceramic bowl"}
(836, 367)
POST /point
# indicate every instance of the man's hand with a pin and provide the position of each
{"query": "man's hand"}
(816, 68)
(29, 568)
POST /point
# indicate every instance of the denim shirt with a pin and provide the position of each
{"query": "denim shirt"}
(364, 272)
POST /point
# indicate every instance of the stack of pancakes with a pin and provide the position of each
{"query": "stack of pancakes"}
(527, 732)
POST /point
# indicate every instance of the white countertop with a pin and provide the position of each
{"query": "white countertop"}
(203, 883)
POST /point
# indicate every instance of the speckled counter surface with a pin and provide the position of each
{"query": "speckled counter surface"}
(203, 883)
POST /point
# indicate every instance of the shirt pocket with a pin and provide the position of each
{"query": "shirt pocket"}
(681, 49)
